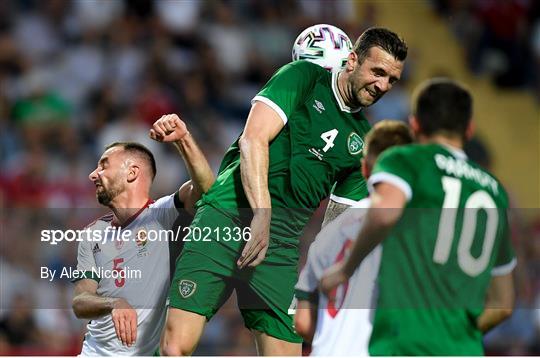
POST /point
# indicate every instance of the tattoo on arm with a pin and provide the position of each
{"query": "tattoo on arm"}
(333, 210)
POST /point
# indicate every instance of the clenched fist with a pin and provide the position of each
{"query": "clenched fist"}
(169, 128)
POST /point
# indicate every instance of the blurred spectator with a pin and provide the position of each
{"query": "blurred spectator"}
(495, 34)
(179, 17)
(96, 16)
(18, 325)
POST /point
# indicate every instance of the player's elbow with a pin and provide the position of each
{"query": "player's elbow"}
(78, 307)
(304, 327)
(250, 140)
(385, 219)
(506, 313)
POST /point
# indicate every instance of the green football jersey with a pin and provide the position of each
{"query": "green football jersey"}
(437, 263)
(320, 146)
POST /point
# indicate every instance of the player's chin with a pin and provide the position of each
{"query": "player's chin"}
(366, 101)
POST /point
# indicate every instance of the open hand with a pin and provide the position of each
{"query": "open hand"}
(255, 250)
(125, 322)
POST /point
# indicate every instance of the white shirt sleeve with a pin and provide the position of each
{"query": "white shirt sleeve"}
(166, 209)
(308, 282)
(85, 257)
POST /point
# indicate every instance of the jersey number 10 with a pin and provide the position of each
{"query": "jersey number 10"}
(478, 200)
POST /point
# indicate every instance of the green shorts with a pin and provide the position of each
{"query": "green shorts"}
(206, 275)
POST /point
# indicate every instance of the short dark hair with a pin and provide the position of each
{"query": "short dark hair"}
(386, 134)
(442, 105)
(137, 149)
(380, 37)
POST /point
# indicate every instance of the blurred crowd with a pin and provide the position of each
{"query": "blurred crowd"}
(500, 38)
(78, 75)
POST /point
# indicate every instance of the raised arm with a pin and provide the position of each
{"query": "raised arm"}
(171, 129)
(87, 304)
(263, 125)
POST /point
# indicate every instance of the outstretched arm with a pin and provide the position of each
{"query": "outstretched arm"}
(170, 128)
(499, 302)
(88, 304)
(387, 203)
(263, 125)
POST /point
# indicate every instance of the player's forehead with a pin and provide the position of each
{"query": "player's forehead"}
(112, 154)
(378, 58)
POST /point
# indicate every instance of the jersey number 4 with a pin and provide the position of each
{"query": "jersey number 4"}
(329, 137)
(478, 200)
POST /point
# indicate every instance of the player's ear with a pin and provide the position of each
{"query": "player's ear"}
(351, 61)
(471, 129)
(133, 172)
(365, 169)
(415, 126)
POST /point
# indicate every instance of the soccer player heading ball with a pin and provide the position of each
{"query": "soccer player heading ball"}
(303, 137)
(324, 45)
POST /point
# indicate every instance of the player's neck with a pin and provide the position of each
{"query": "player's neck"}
(454, 142)
(125, 205)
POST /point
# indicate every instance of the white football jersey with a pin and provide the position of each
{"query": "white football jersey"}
(146, 282)
(343, 325)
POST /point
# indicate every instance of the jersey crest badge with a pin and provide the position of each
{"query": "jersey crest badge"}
(141, 238)
(141, 241)
(187, 288)
(355, 143)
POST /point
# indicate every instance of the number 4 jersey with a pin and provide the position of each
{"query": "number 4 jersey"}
(143, 258)
(319, 148)
(438, 261)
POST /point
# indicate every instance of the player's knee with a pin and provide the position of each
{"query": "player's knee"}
(176, 343)
(175, 349)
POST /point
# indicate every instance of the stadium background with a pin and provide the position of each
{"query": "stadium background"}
(77, 75)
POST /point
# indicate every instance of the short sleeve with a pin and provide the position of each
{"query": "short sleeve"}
(85, 261)
(505, 261)
(167, 209)
(393, 167)
(289, 87)
(350, 190)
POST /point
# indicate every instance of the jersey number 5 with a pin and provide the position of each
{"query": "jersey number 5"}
(447, 224)
(119, 282)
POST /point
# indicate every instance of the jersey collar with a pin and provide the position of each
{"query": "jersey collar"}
(456, 152)
(340, 100)
(115, 223)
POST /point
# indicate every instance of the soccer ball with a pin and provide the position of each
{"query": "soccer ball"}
(325, 45)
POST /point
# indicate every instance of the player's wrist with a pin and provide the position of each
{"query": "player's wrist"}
(184, 138)
(262, 213)
(118, 303)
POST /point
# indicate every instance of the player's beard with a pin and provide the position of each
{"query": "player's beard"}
(106, 196)
(357, 88)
